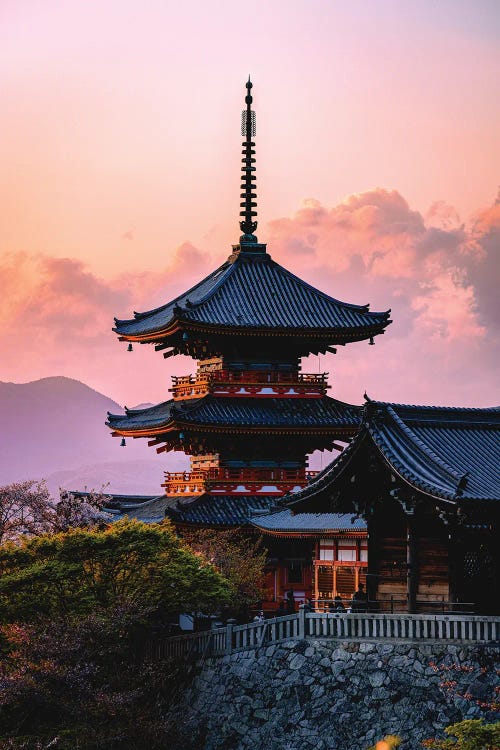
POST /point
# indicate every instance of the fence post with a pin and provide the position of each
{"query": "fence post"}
(302, 621)
(229, 635)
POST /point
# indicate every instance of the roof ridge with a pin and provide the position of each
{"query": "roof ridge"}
(128, 412)
(433, 407)
(223, 278)
(171, 303)
(324, 475)
(149, 408)
(422, 446)
(349, 305)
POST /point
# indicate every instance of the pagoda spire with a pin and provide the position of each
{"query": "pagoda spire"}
(249, 198)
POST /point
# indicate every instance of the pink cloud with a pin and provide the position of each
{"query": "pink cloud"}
(439, 277)
(57, 319)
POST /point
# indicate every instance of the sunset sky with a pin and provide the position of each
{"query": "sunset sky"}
(377, 169)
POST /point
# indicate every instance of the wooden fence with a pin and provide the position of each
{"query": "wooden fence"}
(313, 625)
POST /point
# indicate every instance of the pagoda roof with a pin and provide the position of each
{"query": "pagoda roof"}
(251, 291)
(447, 453)
(239, 413)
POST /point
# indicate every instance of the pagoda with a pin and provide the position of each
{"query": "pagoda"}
(249, 416)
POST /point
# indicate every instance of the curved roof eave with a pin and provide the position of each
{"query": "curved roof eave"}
(407, 456)
(213, 412)
(226, 266)
(342, 316)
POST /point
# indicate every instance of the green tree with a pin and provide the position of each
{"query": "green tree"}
(240, 558)
(71, 573)
(470, 734)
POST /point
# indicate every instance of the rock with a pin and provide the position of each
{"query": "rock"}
(337, 668)
(296, 661)
(313, 694)
(261, 713)
(340, 654)
(366, 648)
(377, 678)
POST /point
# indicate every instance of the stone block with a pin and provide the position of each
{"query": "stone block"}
(366, 648)
(296, 661)
(337, 668)
(341, 654)
(377, 678)
(261, 713)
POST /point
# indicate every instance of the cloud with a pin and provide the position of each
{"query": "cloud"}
(57, 317)
(482, 261)
(439, 276)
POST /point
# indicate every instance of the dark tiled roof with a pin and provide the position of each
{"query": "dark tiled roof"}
(244, 412)
(433, 448)
(285, 520)
(153, 416)
(208, 510)
(147, 508)
(252, 291)
(446, 452)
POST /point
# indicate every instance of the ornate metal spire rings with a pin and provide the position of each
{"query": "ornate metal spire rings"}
(249, 197)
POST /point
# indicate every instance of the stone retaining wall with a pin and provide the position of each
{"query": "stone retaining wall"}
(334, 695)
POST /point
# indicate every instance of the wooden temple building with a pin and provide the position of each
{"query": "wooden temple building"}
(249, 417)
(427, 482)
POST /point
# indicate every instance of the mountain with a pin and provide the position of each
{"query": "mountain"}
(140, 477)
(54, 428)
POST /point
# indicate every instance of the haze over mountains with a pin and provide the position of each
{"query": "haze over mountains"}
(54, 429)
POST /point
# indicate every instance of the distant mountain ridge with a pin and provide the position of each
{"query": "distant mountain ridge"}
(55, 426)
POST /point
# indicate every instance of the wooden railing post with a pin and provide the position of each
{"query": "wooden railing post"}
(229, 635)
(302, 621)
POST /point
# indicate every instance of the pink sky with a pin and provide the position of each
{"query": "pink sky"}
(378, 166)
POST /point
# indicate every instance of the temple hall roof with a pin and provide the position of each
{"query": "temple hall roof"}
(285, 520)
(207, 510)
(196, 509)
(444, 452)
(243, 412)
(251, 291)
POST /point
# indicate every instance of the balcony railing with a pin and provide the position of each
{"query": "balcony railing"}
(315, 626)
(224, 480)
(249, 383)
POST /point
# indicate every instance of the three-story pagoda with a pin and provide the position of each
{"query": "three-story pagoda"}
(249, 416)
